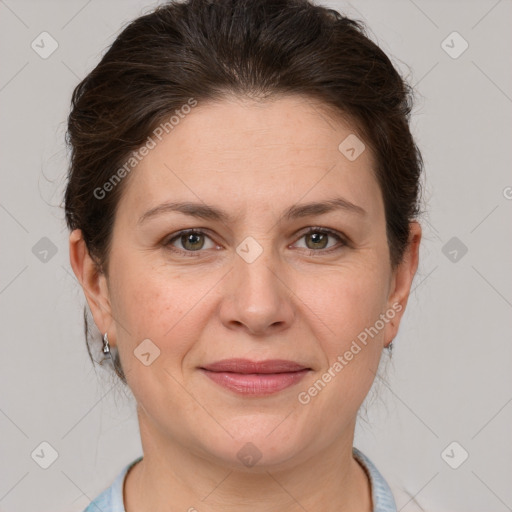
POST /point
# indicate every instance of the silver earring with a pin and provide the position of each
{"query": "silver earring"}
(106, 346)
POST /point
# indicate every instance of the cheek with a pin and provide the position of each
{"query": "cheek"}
(162, 305)
(345, 301)
(351, 303)
(150, 307)
(140, 299)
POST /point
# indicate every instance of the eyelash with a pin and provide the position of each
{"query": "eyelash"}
(310, 252)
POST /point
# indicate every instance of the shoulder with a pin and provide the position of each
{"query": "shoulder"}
(111, 499)
(383, 500)
(102, 502)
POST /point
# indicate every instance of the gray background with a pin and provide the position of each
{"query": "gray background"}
(449, 379)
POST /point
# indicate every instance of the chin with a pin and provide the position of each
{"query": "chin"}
(258, 444)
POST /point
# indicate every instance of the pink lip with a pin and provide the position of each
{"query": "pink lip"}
(255, 377)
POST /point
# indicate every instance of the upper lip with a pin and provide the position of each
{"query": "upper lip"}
(248, 366)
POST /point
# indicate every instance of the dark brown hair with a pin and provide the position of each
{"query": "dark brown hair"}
(209, 50)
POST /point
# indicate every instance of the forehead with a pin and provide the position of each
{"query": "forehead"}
(246, 153)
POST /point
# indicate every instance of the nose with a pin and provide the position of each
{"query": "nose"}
(258, 299)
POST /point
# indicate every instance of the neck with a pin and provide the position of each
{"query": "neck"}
(330, 481)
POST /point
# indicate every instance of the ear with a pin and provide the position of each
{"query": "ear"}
(400, 285)
(94, 284)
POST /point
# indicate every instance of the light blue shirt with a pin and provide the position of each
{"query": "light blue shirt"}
(111, 500)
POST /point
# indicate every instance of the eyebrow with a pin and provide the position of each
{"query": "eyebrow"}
(204, 211)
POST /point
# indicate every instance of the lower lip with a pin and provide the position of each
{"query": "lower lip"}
(256, 384)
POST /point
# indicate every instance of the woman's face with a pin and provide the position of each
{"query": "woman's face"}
(252, 283)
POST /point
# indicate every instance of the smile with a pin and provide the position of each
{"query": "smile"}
(253, 378)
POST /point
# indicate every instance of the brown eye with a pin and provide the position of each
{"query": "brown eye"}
(317, 240)
(190, 241)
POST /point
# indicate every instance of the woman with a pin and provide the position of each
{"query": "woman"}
(242, 201)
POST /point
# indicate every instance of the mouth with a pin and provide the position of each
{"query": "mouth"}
(255, 378)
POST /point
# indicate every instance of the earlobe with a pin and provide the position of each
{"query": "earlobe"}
(402, 280)
(92, 280)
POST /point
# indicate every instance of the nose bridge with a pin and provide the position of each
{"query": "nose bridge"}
(254, 266)
(260, 299)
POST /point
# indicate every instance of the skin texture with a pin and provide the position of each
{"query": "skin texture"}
(299, 300)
